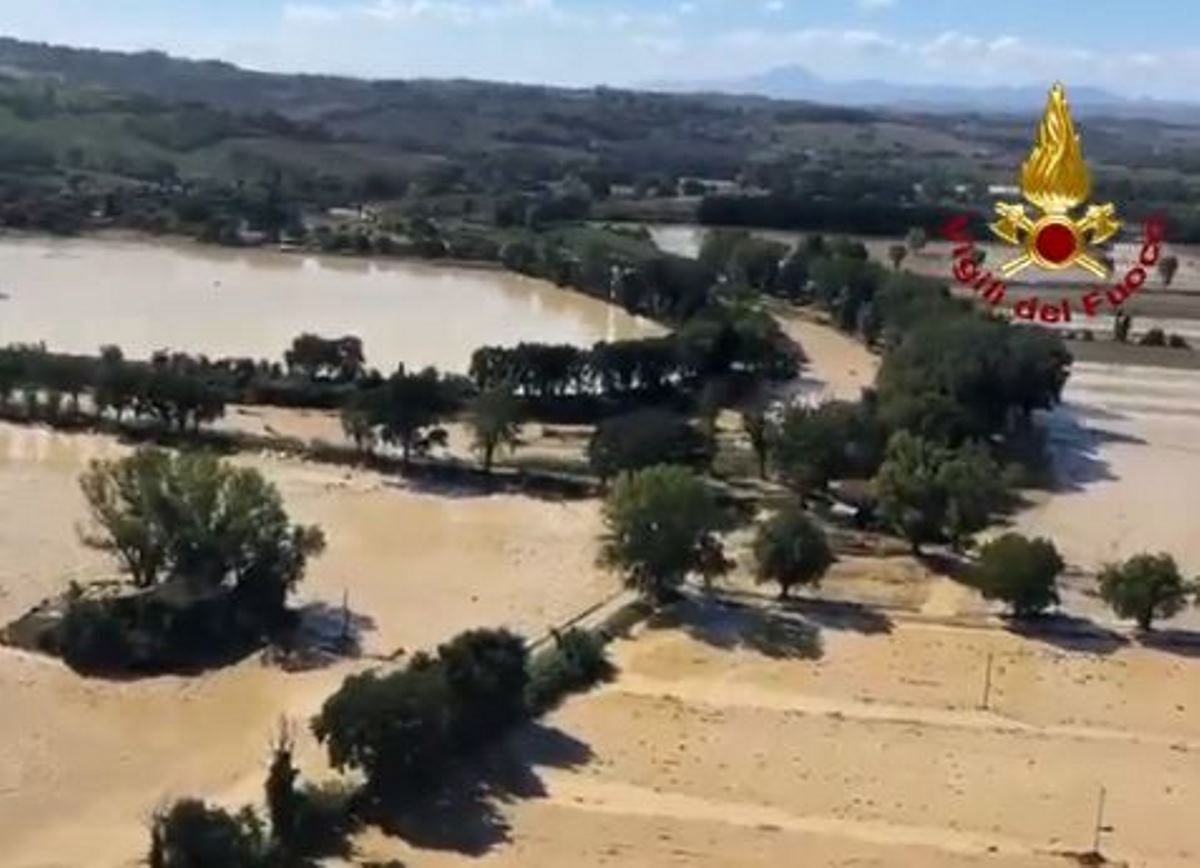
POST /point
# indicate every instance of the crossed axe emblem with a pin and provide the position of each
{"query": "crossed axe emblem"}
(1099, 224)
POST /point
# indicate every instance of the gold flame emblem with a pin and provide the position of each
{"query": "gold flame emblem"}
(1055, 180)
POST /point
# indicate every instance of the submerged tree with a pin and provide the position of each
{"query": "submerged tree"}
(189, 515)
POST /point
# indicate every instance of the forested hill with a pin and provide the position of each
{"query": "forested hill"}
(80, 123)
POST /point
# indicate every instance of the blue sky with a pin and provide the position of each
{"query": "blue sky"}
(1136, 48)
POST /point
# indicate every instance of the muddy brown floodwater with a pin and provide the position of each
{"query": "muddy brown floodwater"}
(80, 293)
(83, 763)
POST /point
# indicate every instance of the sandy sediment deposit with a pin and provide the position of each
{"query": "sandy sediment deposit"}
(726, 743)
(84, 762)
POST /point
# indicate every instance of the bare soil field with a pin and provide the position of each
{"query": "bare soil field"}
(730, 740)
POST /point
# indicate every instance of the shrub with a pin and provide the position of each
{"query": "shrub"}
(1155, 337)
(192, 835)
(1178, 342)
(576, 662)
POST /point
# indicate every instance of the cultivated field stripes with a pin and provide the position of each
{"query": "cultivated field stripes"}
(1133, 391)
(612, 797)
(701, 693)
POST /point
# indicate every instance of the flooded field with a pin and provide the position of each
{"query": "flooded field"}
(84, 762)
(78, 294)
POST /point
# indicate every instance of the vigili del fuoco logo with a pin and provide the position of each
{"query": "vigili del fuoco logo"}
(1056, 182)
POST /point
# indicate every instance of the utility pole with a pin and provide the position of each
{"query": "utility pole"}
(987, 682)
(1099, 821)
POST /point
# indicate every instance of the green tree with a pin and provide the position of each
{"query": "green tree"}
(192, 835)
(408, 409)
(814, 445)
(495, 420)
(1021, 572)
(911, 498)
(1145, 588)
(973, 486)
(1168, 265)
(792, 550)
(189, 515)
(283, 800)
(757, 426)
(358, 421)
(645, 438)
(487, 675)
(660, 521)
(394, 728)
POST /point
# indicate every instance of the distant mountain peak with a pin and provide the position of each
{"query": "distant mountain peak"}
(796, 82)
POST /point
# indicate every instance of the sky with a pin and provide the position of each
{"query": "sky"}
(1133, 47)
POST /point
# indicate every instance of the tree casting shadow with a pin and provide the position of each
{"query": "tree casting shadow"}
(1069, 633)
(323, 635)
(731, 625)
(465, 815)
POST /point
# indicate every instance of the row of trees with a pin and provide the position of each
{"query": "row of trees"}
(663, 524)
(719, 342)
(1024, 573)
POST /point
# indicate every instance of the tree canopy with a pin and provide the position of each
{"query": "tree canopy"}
(1021, 572)
(661, 523)
(1146, 588)
(791, 549)
(191, 516)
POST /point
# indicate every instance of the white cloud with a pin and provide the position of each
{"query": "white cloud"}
(871, 5)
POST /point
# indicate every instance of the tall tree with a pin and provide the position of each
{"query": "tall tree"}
(495, 420)
(757, 426)
(911, 498)
(974, 489)
(660, 521)
(188, 515)
(1168, 265)
(409, 408)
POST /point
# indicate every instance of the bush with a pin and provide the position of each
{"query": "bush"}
(576, 662)
(1021, 572)
(1178, 342)
(192, 835)
(324, 819)
(1155, 337)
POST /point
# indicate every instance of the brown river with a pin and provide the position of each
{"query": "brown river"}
(78, 294)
